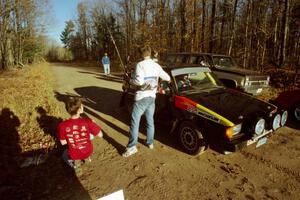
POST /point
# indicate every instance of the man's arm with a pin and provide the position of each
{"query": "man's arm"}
(164, 75)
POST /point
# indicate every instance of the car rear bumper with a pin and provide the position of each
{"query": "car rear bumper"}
(255, 89)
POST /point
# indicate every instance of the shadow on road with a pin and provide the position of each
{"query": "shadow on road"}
(116, 77)
(90, 104)
(86, 72)
(293, 124)
(107, 101)
(36, 174)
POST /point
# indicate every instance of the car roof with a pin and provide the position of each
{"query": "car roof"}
(171, 66)
(196, 53)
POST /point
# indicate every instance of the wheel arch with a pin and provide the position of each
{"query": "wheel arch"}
(292, 111)
(229, 82)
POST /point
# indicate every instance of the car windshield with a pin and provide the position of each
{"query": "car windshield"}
(224, 61)
(196, 78)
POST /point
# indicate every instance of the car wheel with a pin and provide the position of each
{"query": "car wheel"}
(295, 111)
(191, 139)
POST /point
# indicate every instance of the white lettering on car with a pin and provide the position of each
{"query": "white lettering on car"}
(203, 114)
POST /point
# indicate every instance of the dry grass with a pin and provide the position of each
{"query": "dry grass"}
(29, 110)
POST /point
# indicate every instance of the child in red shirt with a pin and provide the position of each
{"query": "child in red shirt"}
(76, 132)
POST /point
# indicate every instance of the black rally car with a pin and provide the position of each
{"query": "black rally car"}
(205, 113)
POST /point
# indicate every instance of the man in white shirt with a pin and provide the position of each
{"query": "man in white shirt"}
(147, 73)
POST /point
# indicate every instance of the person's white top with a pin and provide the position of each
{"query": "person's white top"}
(147, 72)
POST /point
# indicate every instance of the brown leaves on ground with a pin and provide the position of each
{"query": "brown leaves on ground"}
(26, 98)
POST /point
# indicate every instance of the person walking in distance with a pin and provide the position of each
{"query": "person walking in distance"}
(146, 75)
(106, 64)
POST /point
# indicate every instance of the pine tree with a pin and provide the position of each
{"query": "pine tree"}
(67, 34)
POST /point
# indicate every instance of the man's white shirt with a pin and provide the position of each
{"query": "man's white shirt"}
(148, 72)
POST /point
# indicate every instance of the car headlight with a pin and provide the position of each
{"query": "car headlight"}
(237, 129)
(276, 122)
(233, 130)
(260, 126)
(284, 117)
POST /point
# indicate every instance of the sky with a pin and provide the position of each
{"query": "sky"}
(62, 10)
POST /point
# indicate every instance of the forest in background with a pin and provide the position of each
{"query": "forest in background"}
(21, 32)
(258, 33)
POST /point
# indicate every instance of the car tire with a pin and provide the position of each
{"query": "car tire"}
(191, 139)
(295, 112)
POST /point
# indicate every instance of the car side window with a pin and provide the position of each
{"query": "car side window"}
(171, 58)
(183, 82)
(201, 60)
(193, 60)
(180, 59)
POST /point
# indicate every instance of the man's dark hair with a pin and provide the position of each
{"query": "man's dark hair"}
(145, 51)
(73, 105)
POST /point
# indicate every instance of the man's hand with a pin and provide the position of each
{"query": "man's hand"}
(126, 76)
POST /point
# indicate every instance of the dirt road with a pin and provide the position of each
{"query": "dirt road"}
(269, 172)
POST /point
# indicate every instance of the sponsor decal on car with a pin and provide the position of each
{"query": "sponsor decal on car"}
(195, 108)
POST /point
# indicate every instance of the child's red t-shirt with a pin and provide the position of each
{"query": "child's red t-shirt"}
(77, 133)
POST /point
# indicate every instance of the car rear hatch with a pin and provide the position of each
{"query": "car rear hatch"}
(256, 83)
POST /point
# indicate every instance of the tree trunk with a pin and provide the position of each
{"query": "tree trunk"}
(194, 28)
(284, 33)
(264, 45)
(5, 33)
(212, 26)
(183, 24)
(232, 28)
(246, 50)
(224, 19)
(202, 47)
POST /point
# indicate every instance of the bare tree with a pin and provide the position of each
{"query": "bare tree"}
(255, 31)
(284, 32)
(84, 29)
(203, 25)
(194, 27)
(19, 32)
(212, 26)
(232, 26)
(247, 43)
(183, 25)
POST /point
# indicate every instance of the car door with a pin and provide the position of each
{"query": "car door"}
(163, 103)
